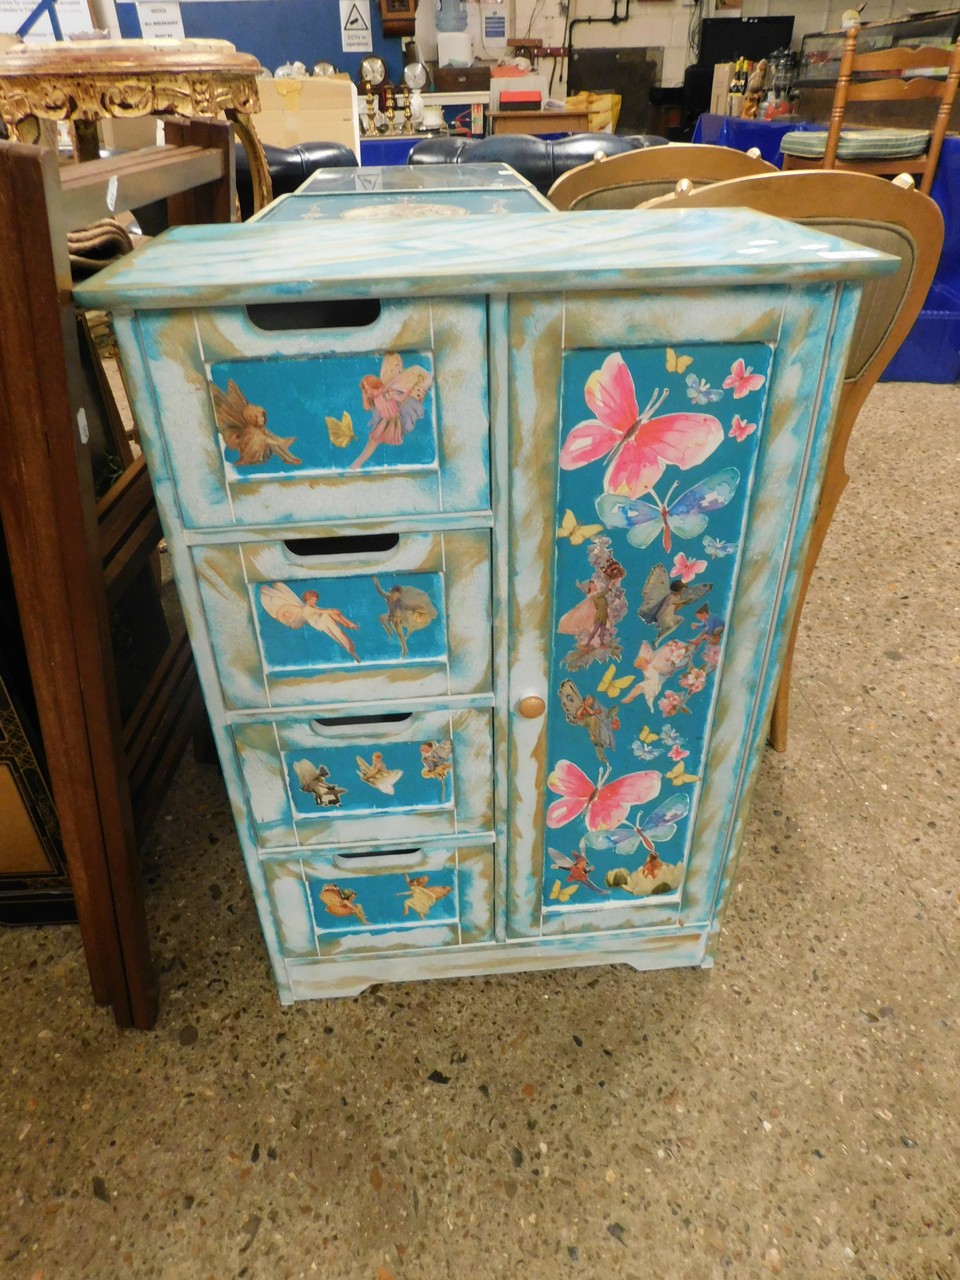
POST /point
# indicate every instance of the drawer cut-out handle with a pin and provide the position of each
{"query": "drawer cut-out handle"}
(350, 544)
(337, 313)
(383, 859)
(321, 723)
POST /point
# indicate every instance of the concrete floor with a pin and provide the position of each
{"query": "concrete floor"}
(794, 1112)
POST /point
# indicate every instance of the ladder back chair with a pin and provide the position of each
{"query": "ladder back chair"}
(872, 148)
(892, 217)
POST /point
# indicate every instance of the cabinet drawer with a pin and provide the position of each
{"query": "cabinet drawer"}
(303, 622)
(385, 900)
(336, 781)
(310, 424)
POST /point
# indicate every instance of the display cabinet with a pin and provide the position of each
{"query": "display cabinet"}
(488, 534)
(820, 55)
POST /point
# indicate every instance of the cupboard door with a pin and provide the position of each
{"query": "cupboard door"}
(671, 447)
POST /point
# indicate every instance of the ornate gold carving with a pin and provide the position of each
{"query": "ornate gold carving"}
(100, 96)
(122, 80)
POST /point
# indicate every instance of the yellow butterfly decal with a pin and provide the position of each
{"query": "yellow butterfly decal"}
(613, 688)
(677, 364)
(678, 775)
(577, 533)
(562, 894)
(645, 735)
(341, 430)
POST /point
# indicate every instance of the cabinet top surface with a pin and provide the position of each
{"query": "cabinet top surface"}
(423, 177)
(632, 249)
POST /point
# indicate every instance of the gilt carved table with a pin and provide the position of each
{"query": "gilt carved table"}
(96, 80)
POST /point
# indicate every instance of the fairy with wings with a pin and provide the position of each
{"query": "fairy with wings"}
(593, 620)
(243, 427)
(436, 761)
(305, 611)
(395, 401)
(315, 781)
(578, 868)
(662, 597)
(599, 721)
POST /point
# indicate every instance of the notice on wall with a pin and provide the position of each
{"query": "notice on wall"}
(160, 21)
(74, 16)
(355, 31)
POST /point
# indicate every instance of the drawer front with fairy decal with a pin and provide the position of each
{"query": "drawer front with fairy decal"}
(268, 426)
(381, 901)
(304, 622)
(341, 780)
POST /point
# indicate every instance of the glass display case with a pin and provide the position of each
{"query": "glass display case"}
(820, 55)
(820, 52)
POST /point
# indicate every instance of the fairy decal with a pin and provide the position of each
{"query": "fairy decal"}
(315, 781)
(421, 896)
(662, 598)
(436, 761)
(600, 722)
(395, 400)
(243, 427)
(593, 622)
(341, 902)
(294, 611)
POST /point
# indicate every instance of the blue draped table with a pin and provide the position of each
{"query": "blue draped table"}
(944, 300)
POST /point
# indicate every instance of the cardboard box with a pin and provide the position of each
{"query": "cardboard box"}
(722, 76)
(323, 110)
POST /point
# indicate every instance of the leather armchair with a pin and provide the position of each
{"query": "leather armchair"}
(539, 160)
(290, 166)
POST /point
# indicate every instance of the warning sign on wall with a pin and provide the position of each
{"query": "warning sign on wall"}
(355, 26)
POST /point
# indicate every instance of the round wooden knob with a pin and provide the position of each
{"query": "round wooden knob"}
(532, 707)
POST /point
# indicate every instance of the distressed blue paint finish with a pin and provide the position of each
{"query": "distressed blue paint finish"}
(327, 780)
(395, 900)
(497, 528)
(297, 629)
(412, 382)
(703, 248)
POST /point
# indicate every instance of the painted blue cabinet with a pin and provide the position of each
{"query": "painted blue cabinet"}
(487, 532)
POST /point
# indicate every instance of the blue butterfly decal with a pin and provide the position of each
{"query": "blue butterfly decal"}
(658, 826)
(686, 516)
(701, 392)
(716, 548)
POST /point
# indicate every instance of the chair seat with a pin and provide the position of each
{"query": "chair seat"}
(858, 144)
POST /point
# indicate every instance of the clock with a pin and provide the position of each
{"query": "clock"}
(373, 71)
(415, 75)
(398, 17)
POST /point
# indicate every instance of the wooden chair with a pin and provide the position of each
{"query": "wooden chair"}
(890, 216)
(870, 148)
(624, 181)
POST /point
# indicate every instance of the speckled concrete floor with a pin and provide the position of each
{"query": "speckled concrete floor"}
(795, 1112)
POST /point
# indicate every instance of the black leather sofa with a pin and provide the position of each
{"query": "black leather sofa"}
(290, 166)
(539, 160)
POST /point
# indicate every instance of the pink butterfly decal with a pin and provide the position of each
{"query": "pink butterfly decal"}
(743, 380)
(606, 805)
(739, 429)
(638, 446)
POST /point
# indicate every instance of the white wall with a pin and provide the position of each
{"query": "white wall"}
(666, 23)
